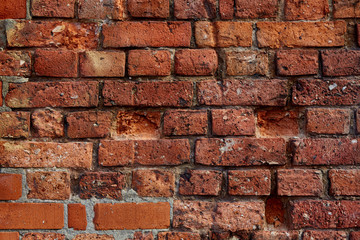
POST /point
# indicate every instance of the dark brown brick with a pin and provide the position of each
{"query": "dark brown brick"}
(341, 62)
(200, 182)
(297, 62)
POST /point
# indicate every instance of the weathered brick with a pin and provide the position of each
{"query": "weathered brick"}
(223, 34)
(301, 34)
(320, 92)
(102, 185)
(47, 123)
(151, 94)
(1, 96)
(200, 182)
(52, 94)
(143, 236)
(326, 151)
(306, 10)
(14, 124)
(354, 235)
(246, 63)
(149, 8)
(298, 182)
(340, 62)
(258, 92)
(297, 62)
(45, 154)
(249, 182)
(52, 34)
(256, 8)
(328, 121)
(9, 236)
(48, 185)
(13, 9)
(346, 9)
(50, 8)
(2, 34)
(98, 9)
(89, 124)
(93, 236)
(149, 63)
(233, 122)
(56, 63)
(194, 9)
(147, 34)
(324, 214)
(275, 211)
(328, 235)
(43, 236)
(132, 216)
(77, 216)
(344, 182)
(178, 236)
(185, 122)
(240, 151)
(276, 235)
(31, 215)
(116, 153)
(102, 64)
(226, 9)
(10, 186)
(15, 63)
(278, 122)
(198, 62)
(153, 183)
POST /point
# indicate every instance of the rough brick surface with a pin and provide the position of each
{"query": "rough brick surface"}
(10, 186)
(297, 62)
(153, 183)
(308, 10)
(48, 123)
(340, 62)
(149, 8)
(249, 182)
(344, 182)
(278, 123)
(149, 63)
(49, 8)
(196, 62)
(190, 9)
(276, 235)
(246, 63)
(13, 9)
(178, 236)
(328, 121)
(330, 235)
(97, 9)
(15, 63)
(226, 9)
(233, 122)
(181, 122)
(77, 216)
(93, 236)
(346, 9)
(354, 235)
(43, 236)
(200, 182)
(256, 8)
(14, 124)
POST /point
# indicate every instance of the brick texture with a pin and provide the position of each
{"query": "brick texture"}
(10, 186)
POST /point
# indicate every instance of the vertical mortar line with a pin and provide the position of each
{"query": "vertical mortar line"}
(28, 9)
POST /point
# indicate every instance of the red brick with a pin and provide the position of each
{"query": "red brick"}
(56, 63)
(198, 62)
(297, 182)
(249, 182)
(178, 236)
(226, 9)
(246, 63)
(47, 123)
(43, 236)
(102, 185)
(301, 34)
(143, 236)
(220, 235)
(278, 123)
(94, 236)
(116, 153)
(102, 64)
(328, 235)
(48, 185)
(15, 63)
(326, 151)
(149, 63)
(31, 215)
(344, 182)
(153, 183)
(340, 62)
(324, 214)
(52, 94)
(147, 34)
(297, 62)
(306, 10)
(10, 186)
(259, 92)
(13, 9)
(77, 216)
(89, 124)
(354, 235)
(193, 9)
(200, 182)
(185, 122)
(233, 122)
(98, 9)
(150, 94)
(240, 151)
(132, 216)
(328, 121)
(14, 124)
(9, 236)
(320, 92)
(138, 124)
(70, 35)
(256, 8)
(149, 8)
(49, 8)
(275, 212)
(45, 154)
(346, 9)
(276, 235)
(223, 34)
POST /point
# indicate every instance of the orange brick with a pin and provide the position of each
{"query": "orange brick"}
(13, 9)
(9, 236)
(77, 216)
(10, 186)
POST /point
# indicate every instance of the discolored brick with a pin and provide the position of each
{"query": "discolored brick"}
(276, 235)
(149, 63)
(306, 10)
(340, 62)
(15, 63)
(278, 123)
(43, 236)
(14, 124)
(149, 8)
(193, 9)
(93, 236)
(197, 62)
(275, 211)
(50, 8)
(256, 8)
(246, 63)
(153, 183)
(346, 9)
(233, 122)
(297, 62)
(200, 182)
(329, 235)
(48, 123)
(178, 236)
(185, 122)
(98, 9)
(249, 182)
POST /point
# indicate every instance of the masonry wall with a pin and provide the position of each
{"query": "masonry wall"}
(180, 119)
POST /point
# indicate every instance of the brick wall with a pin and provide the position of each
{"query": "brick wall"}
(179, 119)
